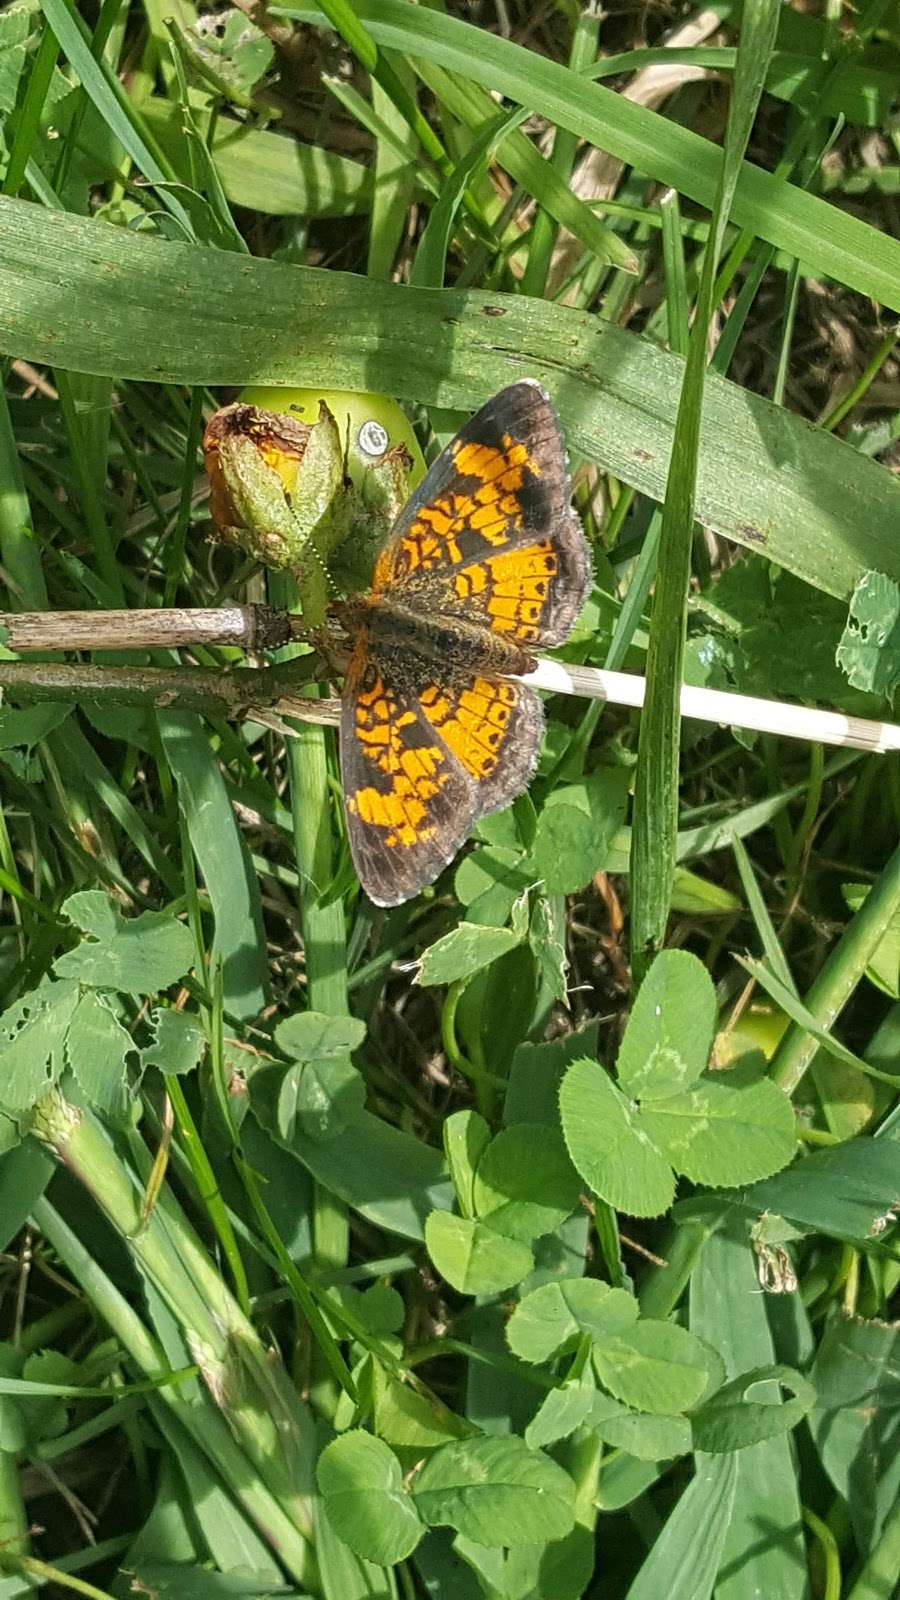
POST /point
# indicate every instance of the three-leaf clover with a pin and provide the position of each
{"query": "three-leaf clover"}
(668, 1114)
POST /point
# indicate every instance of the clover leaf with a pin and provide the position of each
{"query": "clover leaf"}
(668, 1115)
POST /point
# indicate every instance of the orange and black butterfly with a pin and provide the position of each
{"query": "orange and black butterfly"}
(486, 563)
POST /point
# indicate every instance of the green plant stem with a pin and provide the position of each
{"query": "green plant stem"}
(14, 1534)
(486, 1086)
(840, 975)
(864, 381)
(830, 1554)
(271, 1425)
(208, 1190)
(31, 1567)
(201, 1419)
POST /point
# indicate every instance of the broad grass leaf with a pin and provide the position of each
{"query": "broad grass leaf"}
(732, 1127)
(608, 1145)
(32, 1038)
(138, 956)
(854, 1424)
(466, 1137)
(314, 1036)
(846, 1192)
(219, 846)
(361, 1484)
(727, 1309)
(551, 1316)
(687, 1554)
(670, 1031)
(525, 1184)
(262, 169)
(97, 1047)
(463, 952)
(497, 1492)
(472, 1257)
(656, 1366)
(731, 1419)
(179, 1042)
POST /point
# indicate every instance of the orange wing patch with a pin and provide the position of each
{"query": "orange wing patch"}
(386, 736)
(473, 721)
(492, 508)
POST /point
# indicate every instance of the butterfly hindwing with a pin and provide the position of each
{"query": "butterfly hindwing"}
(421, 761)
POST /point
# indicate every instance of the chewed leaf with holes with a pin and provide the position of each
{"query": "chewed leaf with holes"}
(668, 1115)
(869, 651)
(139, 955)
(32, 1039)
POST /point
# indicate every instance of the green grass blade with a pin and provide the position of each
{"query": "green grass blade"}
(217, 843)
(104, 91)
(729, 1312)
(394, 183)
(827, 240)
(99, 299)
(431, 256)
(516, 153)
(760, 914)
(840, 974)
(28, 120)
(676, 278)
(585, 36)
(656, 785)
(18, 548)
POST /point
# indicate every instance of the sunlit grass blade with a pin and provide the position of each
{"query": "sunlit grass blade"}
(656, 785)
(143, 308)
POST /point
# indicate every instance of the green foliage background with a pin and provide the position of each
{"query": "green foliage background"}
(421, 1253)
